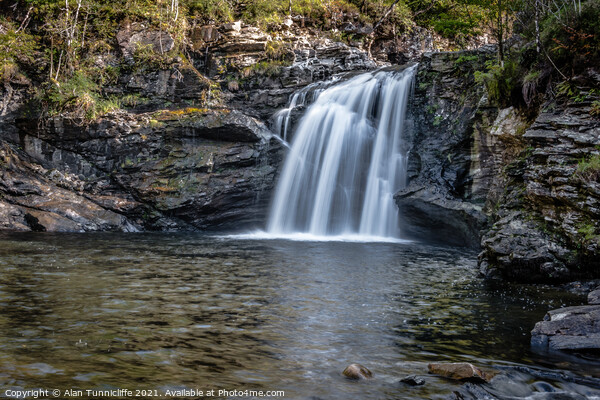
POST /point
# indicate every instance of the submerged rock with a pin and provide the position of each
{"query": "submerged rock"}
(460, 371)
(413, 380)
(357, 371)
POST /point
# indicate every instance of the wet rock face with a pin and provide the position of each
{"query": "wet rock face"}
(497, 178)
(184, 169)
(546, 226)
(450, 161)
(35, 199)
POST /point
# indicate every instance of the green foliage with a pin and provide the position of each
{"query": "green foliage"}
(16, 49)
(573, 93)
(211, 10)
(454, 27)
(268, 13)
(311, 8)
(589, 169)
(78, 97)
(275, 49)
(499, 80)
(77, 94)
(595, 108)
(570, 35)
(464, 58)
(588, 232)
(268, 68)
(532, 76)
(132, 100)
(454, 19)
(264, 12)
(145, 57)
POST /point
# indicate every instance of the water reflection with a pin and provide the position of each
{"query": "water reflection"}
(159, 311)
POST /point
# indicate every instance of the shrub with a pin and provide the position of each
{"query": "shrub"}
(589, 168)
(499, 80)
(16, 49)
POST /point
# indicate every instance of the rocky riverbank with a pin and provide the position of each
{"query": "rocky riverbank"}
(573, 329)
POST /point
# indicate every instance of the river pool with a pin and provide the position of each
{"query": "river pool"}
(172, 312)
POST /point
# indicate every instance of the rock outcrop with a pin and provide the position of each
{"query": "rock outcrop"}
(168, 170)
(574, 329)
(451, 153)
(191, 151)
(525, 188)
(546, 223)
(260, 71)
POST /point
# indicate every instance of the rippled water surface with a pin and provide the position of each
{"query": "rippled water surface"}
(159, 311)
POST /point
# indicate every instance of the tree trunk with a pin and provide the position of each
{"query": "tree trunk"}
(500, 35)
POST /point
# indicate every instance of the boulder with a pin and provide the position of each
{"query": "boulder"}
(569, 329)
(204, 34)
(460, 371)
(131, 36)
(356, 372)
(413, 380)
(594, 297)
(429, 215)
(232, 26)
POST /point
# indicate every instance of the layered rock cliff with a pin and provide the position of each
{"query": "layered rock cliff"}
(523, 186)
(546, 222)
(453, 154)
(167, 170)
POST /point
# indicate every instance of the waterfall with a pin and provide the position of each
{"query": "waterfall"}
(281, 119)
(347, 159)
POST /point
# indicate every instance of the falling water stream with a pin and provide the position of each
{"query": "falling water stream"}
(347, 160)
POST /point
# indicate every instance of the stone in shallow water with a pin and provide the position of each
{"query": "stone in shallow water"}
(357, 371)
(460, 371)
(569, 328)
(594, 297)
(413, 380)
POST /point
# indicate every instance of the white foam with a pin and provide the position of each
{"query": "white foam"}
(308, 237)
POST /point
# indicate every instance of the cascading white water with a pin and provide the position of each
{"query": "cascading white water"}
(347, 159)
(281, 120)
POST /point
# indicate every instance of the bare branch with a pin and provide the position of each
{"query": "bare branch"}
(25, 21)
